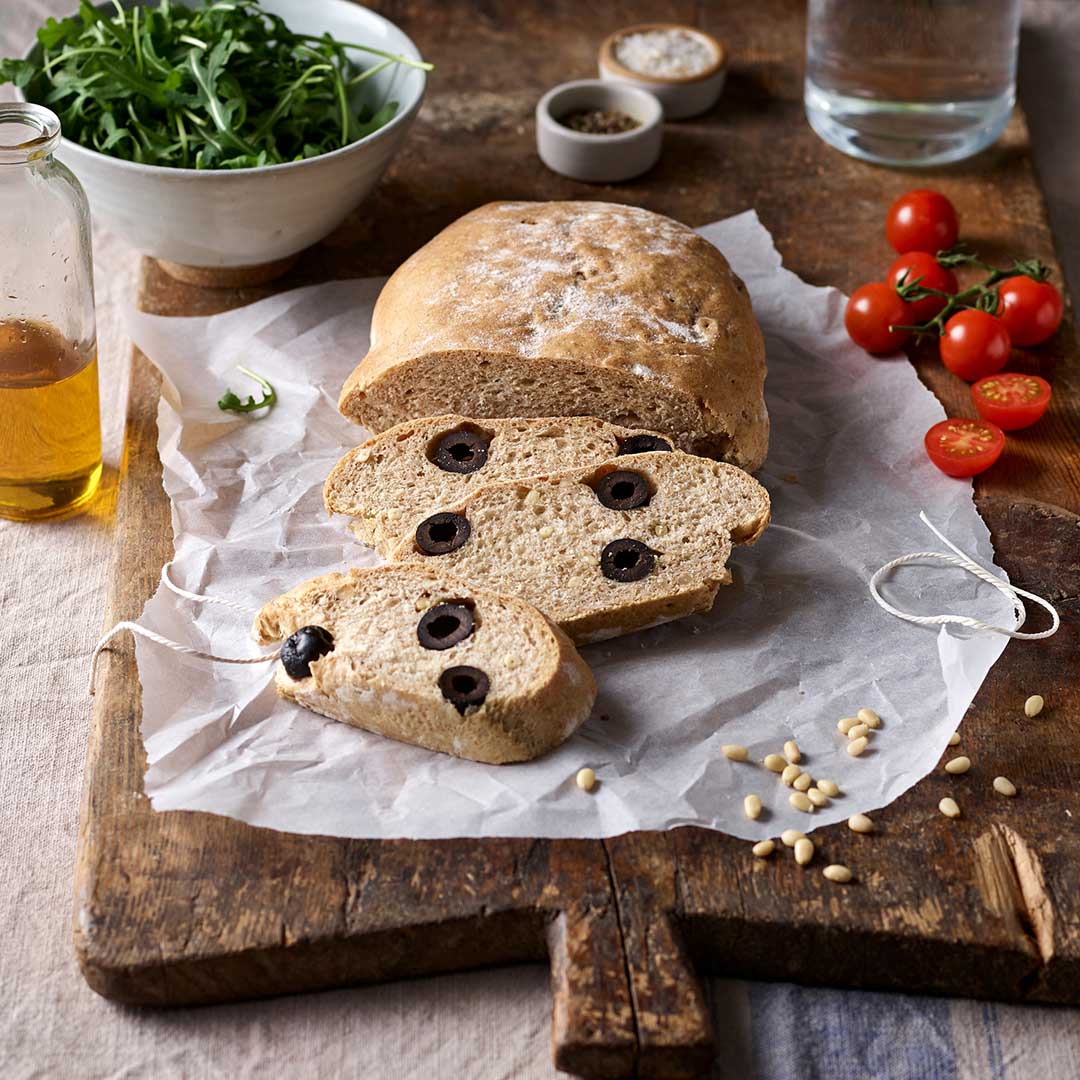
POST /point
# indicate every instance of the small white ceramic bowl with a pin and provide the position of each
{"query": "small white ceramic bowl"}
(681, 97)
(598, 158)
(242, 226)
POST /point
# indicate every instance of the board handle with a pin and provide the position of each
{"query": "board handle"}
(592, 1017)
(626, 998)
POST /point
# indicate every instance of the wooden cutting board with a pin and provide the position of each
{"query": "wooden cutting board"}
(177, 908)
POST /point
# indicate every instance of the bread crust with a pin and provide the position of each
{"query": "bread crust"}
(380, 678)
(570, 308)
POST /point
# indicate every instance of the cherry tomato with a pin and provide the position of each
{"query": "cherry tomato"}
(975, 344)
(870, 312)
(1031, 310)
(921, 264)
(921, 220)
(964, 447)
(1011, 400)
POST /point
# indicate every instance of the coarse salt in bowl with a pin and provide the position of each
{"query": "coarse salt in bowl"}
(682, 66)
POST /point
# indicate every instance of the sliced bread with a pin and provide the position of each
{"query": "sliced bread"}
(570, 308)
(603, 550)
(395, 480)
(414, 654)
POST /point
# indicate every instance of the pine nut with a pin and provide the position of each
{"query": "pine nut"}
(954, 739)
(870, 718)
(586, 779)
(804, 850)
(1004, 786)
(948, 807)
(1034, 705)
(860, 823)
(857, 731)
(763, 849)
(857, 746)
(801, 802)
(840, 874)
(775, 763)
(792, 751)
(829, 787)
(958, 765)
(816, 796)
(791, 774)
(802, 782)
(734, 752)
(789, 836)
(845, 724)
(752, 807)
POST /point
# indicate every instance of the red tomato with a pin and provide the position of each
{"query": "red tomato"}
(964, 447)
(870, 312)
(922, 265)
(1011, 400)
(974, 344)
(1031, 310)
(921, 220)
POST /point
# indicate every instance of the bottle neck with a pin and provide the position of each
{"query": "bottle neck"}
(28, 133)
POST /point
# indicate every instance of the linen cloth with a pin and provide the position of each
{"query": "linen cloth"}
(488, 1025)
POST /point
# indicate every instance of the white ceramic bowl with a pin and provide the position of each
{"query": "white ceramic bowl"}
(681, 97)
(218, 220)
(598, 158)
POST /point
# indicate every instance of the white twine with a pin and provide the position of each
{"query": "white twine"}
(188, 650)
(201, 599)
(965, 563)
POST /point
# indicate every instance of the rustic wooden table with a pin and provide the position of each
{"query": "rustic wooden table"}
(183, 907)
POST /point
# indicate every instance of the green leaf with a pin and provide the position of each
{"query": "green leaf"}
(54, 33)
(19, 72)
(380, 119)
(229, 402)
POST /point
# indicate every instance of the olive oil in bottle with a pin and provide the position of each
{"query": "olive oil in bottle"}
(50, 433)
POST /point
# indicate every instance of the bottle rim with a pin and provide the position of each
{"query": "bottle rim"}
(28, 132)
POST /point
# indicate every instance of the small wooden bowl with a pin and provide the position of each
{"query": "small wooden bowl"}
(681, 96)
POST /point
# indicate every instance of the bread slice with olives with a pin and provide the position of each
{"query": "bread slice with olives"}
(415, 654)
(603, 550)
(396, 479)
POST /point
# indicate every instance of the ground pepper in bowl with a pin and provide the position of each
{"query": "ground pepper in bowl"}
(599, 121)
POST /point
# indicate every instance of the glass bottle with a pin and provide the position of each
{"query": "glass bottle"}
(50, 427)
(911, 82)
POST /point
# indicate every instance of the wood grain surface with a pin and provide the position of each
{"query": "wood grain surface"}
(184, 907)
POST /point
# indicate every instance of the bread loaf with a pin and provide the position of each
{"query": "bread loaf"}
(570, 308)
(395, 480)
(412, 653)
(603, 550)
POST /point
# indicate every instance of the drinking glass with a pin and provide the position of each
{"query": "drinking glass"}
(910, 82)
(50, 428)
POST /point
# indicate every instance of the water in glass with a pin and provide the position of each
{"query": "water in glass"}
(911, 82)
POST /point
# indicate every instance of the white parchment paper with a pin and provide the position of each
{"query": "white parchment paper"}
(792, 646)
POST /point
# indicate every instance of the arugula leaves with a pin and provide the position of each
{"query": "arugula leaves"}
(223, 86)
(229, 401)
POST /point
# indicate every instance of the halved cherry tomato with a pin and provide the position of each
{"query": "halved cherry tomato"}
(974, 344)
(1011, 400)
(921, 220)
(870, 312)
(921, 266)
(1031, 310)
(964, 447)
